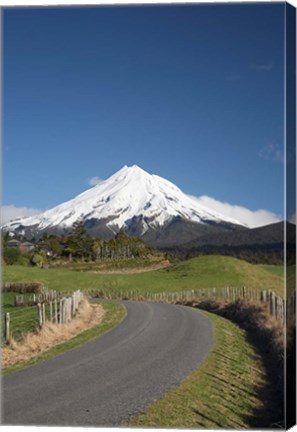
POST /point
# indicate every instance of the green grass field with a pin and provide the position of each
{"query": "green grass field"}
(201, 272)
(274, 269)
(279, 271)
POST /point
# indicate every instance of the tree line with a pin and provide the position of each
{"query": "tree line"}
(78, 245)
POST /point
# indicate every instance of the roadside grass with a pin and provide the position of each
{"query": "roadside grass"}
(224, 392)
(114, 314)
(200, 272)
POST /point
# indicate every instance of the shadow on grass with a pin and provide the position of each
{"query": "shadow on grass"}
(234, 422)
(272, 414)
(212, 422)
(267, 341)
(237, 389)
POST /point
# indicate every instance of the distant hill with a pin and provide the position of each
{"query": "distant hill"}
(264, 244)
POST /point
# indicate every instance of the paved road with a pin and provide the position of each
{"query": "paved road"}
(114, 376)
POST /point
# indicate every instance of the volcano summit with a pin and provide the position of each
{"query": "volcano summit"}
(135, 202)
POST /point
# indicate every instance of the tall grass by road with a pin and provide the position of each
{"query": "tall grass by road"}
(114, 314)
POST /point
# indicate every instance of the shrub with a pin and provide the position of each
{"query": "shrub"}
(23, 287)
(23, 260)
(11, 256)
(37, 260)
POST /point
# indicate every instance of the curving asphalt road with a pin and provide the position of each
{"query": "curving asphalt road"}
(106, 380)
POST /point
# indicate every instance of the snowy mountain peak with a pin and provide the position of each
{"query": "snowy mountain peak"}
(133, 172)
(128, 195)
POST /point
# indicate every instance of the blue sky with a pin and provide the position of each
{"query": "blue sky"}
(191, 93)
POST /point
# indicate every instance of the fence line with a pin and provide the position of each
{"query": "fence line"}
(49, 309)
(278, 307)
(44, 295)
(62, 311)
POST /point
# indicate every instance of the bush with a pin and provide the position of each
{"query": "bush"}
(11, 256)
(23, 287)
(24, 260)
(38, 260)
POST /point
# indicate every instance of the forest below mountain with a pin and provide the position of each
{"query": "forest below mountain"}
(77, 246)
(258, 245)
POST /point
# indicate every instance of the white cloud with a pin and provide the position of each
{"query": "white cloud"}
(272, 152)
(251, 218)
(95, 181)
(11, 212)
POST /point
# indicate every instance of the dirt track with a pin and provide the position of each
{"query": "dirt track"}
(131, 271)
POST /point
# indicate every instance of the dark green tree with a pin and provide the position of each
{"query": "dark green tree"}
(11, 256)
(79, 243)
(53, 245)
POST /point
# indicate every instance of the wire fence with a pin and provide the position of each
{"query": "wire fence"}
(59, 308)
(278, 307)
(51, 306)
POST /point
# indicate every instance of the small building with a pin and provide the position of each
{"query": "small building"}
(23, 247)
(26, 247)
(13, 244)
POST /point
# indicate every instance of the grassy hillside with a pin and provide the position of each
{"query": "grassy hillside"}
(200, 272)
(290, 275)
(275, 269)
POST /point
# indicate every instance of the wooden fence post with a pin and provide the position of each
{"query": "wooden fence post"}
(39, 312)
(7, 327)
(64, 310)
(272, 302)
(73, 304)
(51, 311)
(69, 303)
(56, 311)
(43, 313)
(227, 293)
(61, 311)
(279, 308)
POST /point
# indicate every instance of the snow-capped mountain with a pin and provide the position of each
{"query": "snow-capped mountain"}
(132, 200)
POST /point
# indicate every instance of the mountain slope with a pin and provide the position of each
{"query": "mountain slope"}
(134, 201)
(263, 244)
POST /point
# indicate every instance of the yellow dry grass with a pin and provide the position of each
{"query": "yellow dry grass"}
(51, 334)
(251, 315)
